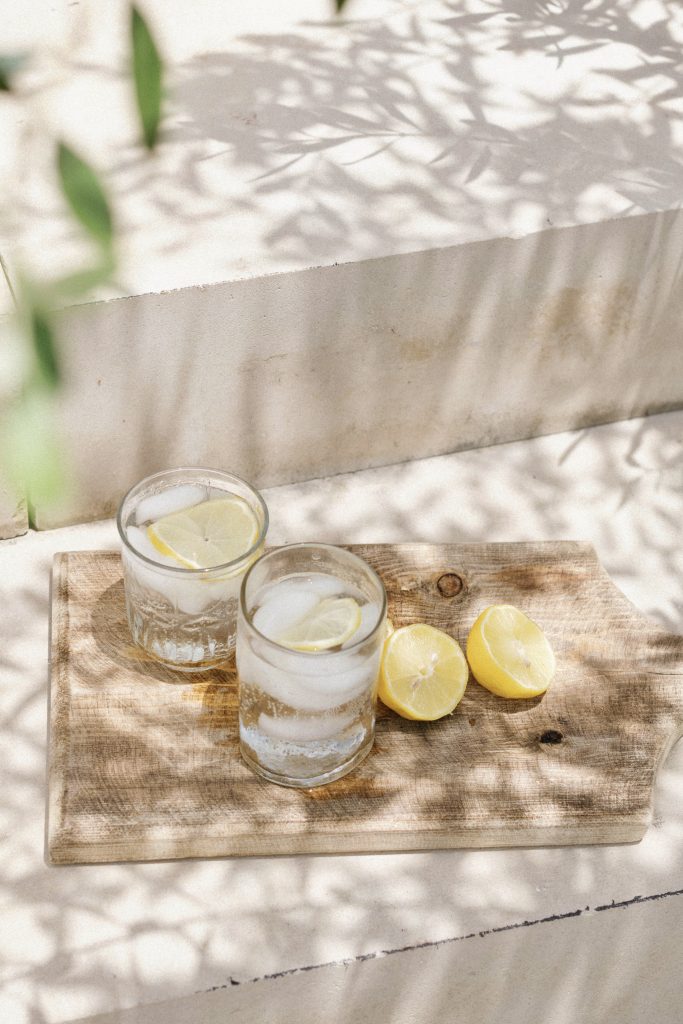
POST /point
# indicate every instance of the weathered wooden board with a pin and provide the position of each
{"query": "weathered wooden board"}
(144, 763)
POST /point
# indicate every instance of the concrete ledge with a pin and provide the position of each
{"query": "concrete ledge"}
(499, 188)
(499, 974)
(307, 374)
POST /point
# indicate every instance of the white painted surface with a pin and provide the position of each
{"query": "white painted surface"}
(115, 939)
(489, 161)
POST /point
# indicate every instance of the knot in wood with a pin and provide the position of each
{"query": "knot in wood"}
(550, 736)
(449, 584)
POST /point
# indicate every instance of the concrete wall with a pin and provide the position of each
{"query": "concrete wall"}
(429, 227)
(13, 514)
(301, 375)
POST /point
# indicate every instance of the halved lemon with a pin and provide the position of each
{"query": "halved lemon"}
(424, 673)
(509, 654)
(331, 623)
(209, 534)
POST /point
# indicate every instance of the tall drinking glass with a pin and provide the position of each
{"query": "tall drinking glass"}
(171, 523)
(310, 631)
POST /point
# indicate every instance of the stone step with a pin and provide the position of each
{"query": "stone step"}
(416, 230)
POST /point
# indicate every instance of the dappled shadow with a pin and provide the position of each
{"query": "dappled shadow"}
(408, 135)
(204, 922)
(435, 124)
(304, 140)
(387, 124)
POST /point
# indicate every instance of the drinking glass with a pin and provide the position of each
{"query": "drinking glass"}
(307, 717)
(183, 617)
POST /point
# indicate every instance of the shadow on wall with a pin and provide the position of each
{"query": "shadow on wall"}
(340, 140)
(300, 123)
(298, 376)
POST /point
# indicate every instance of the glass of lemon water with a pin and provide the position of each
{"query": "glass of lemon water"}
(188, 536)
(310, 631)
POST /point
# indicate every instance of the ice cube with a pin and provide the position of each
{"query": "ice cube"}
(284, 686)
(188, 594)
(219, 494)
(369, 613)
(326, 586)
(282, 606)
(341, 682)
(138, 539)
(146, 576)
(173, 499)
(316, 583)
(304, 728)
(193, 596)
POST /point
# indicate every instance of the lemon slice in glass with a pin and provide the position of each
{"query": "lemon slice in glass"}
(331, 623)
(424, 673)
(509, 654)
(206, 535)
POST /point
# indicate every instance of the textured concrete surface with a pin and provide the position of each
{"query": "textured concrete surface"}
(293, 141)
(586, 934)
(443, 224)
(301, 375)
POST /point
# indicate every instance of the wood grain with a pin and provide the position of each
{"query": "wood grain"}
(144, 763)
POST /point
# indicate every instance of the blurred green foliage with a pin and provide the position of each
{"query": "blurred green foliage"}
(147, 77)
(42, 336)
(31, 453)
(85, 195)
(10, 63)
(30, 439)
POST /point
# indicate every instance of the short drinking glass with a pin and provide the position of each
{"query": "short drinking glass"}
(310, 631)
(188, 537)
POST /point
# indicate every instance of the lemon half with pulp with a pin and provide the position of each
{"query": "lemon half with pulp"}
(424, 673)
(205, 535)
(509, 654)
(331, 623)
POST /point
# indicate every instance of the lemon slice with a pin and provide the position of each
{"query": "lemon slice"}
(509, 654)
(331, 623)
(206, 535)
(424, 673)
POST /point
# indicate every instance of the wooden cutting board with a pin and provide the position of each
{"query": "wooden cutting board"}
(144, 763)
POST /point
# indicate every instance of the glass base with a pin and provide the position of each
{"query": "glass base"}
(189, 668)
(161, 653)
(314, 780)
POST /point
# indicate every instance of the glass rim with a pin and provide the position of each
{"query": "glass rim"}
(325, 547)
(187, 570)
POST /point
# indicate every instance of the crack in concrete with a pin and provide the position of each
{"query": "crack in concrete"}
(435, 943)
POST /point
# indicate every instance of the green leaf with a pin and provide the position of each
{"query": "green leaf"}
(42, 336)
(147, 75)
(10, 63)
(80, 282)
(30, 451)
(339, 4)
(85, 195)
